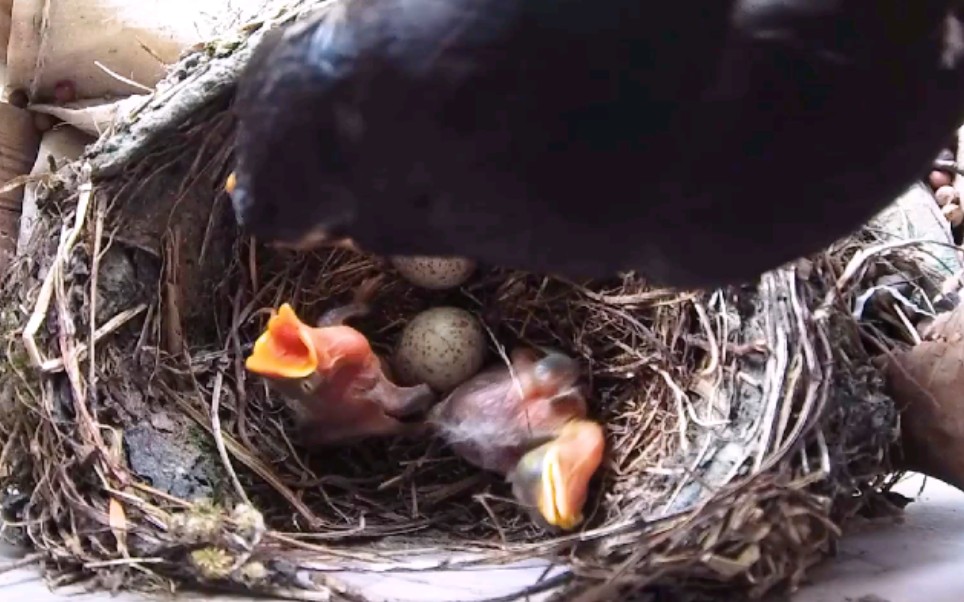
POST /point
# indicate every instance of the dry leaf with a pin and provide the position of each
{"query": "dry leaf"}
(115, 446)
(21, 181)
(117, 519)
(926, 383)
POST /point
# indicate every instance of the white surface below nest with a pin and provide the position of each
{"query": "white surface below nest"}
(917, 559)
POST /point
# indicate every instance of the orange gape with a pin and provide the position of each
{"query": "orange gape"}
(553, 479)
(231, 183)
(528, 424)
(333, 379)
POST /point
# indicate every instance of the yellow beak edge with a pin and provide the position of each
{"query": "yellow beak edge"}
(554, 477)
(285, 349)
(554, 503)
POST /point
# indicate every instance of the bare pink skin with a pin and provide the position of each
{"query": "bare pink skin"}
(492, 420)
(350, 396)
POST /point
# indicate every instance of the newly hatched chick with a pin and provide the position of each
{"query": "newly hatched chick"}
(534, 413)
(333, 379)
(553, 479)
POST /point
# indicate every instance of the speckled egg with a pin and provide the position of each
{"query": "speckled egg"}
(441, 347)
(435, 273)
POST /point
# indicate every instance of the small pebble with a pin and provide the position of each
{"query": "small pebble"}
(43, 122)
(65, 91)
(19, 98)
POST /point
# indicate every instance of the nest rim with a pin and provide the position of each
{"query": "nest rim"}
(679, 340)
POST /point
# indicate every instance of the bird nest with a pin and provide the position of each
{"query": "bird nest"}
(744, 426)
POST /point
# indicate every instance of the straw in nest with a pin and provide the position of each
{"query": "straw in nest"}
(743, 428)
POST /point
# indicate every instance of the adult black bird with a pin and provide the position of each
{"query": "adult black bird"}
(698, 142)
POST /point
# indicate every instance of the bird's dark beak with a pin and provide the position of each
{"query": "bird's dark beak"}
(316, 238)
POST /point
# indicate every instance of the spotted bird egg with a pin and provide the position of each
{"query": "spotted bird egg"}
(441, 347)
(435, 273)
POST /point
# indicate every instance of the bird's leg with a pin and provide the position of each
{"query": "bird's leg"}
(360, 305)
(403, 402)
(339, 315)
(374, 425)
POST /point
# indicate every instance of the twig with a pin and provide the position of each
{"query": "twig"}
(27, 560)
(645, 297)
(777, 366)
(500, 349)
(253, 463)
(80, 351)
(679, 396)
(123, 79)
(173, 328)
(21, 181)
(92, 316)
(39, 314)
(820, 377)
(737, 349)
(241, 396)
(495, 519)
(100, 564)
(855, 267)
(687, 405)
(253, 264)
(689, 475)
(911, 331)
(219, 438)
(711, 339)
(87, 423)
(150, 51)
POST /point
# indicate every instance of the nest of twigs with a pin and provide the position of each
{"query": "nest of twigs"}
(744, 426)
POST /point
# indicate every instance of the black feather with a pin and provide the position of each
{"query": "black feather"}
(697, 142)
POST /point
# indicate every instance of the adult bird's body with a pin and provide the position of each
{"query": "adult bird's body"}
(696, 142)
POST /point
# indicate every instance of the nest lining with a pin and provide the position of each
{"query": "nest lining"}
(742, 430)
